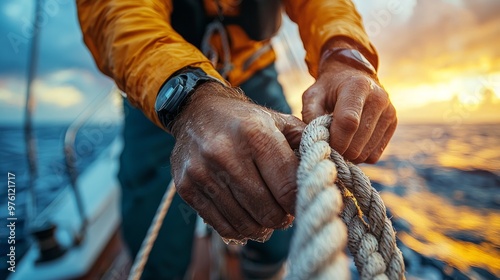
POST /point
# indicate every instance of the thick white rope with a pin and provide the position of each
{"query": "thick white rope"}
(324, 180)
(320, 236)
(332, 193)
(154, 228)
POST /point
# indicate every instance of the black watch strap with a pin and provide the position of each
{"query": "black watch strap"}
(351, 57)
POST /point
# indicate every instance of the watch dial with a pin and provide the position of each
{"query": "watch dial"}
(166, 93)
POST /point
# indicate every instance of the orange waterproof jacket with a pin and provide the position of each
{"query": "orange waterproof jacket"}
(133, 42)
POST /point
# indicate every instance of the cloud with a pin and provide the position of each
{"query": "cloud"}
(61, 96)
(61, 45)
(9, 98)
(437, 57)
(66, 79)
(372, 11)
(454, 112)
(431, 53)
(439, 40)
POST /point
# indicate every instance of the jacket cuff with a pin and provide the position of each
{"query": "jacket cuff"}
(329, 32)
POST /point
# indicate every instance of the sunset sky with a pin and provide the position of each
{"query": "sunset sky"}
(439, 60)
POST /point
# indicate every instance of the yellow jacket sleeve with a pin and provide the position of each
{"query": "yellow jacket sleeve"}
(321, 20)
(133, 43)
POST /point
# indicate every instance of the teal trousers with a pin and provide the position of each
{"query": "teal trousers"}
(145, 173)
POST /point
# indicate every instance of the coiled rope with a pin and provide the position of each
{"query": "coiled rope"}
(336, 204)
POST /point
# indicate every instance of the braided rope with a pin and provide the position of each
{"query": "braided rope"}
(317, 247)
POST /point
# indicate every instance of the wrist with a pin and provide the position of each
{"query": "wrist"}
(347, 59)
(176, 91)
(205, 98)
(343, 42)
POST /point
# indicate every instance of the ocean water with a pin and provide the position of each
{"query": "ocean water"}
(440, 183)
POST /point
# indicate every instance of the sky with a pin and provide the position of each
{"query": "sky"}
(439, 60)
(67, 80)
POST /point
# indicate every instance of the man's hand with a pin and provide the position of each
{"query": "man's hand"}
(364, 119)
(233, 162)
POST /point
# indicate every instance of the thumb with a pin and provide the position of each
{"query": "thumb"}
(313, 101)
(291, 127)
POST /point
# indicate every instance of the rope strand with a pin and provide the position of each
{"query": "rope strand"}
(154, 228)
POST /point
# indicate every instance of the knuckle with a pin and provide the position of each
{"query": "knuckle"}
(373, 158)
(349, 120)
(379, 99)
(187, 192)
(221, 178)
(359, 83)
(256, 135)
(310, 93)
(307, 95)
(210, 190)
(286, 195)
(353, 152)
(195, 173)
(391, 113)
(214, 149)
(226, 231)
(363, 156)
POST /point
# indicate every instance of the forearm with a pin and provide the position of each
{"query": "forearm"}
(133, 43)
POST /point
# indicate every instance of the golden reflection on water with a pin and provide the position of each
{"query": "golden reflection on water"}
(427, 172)
(463, 156)
(432, 219)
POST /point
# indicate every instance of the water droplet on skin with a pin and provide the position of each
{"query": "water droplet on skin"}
(288, 221)
(231, 241)
(265, 235)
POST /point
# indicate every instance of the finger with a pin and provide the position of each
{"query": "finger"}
(291, 127)
(347, 114)
(377, 152)
(207, 210)
(251, 192)
(219, 193)
(276, 162)
(385, 121)
(225, 157)
(313, 102)
(376, 103)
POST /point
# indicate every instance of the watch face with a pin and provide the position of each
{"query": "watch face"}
(168, 90)
(358, 56)
(175, 92)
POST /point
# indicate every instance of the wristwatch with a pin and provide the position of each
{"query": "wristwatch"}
(175, 92)
(350, 57)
